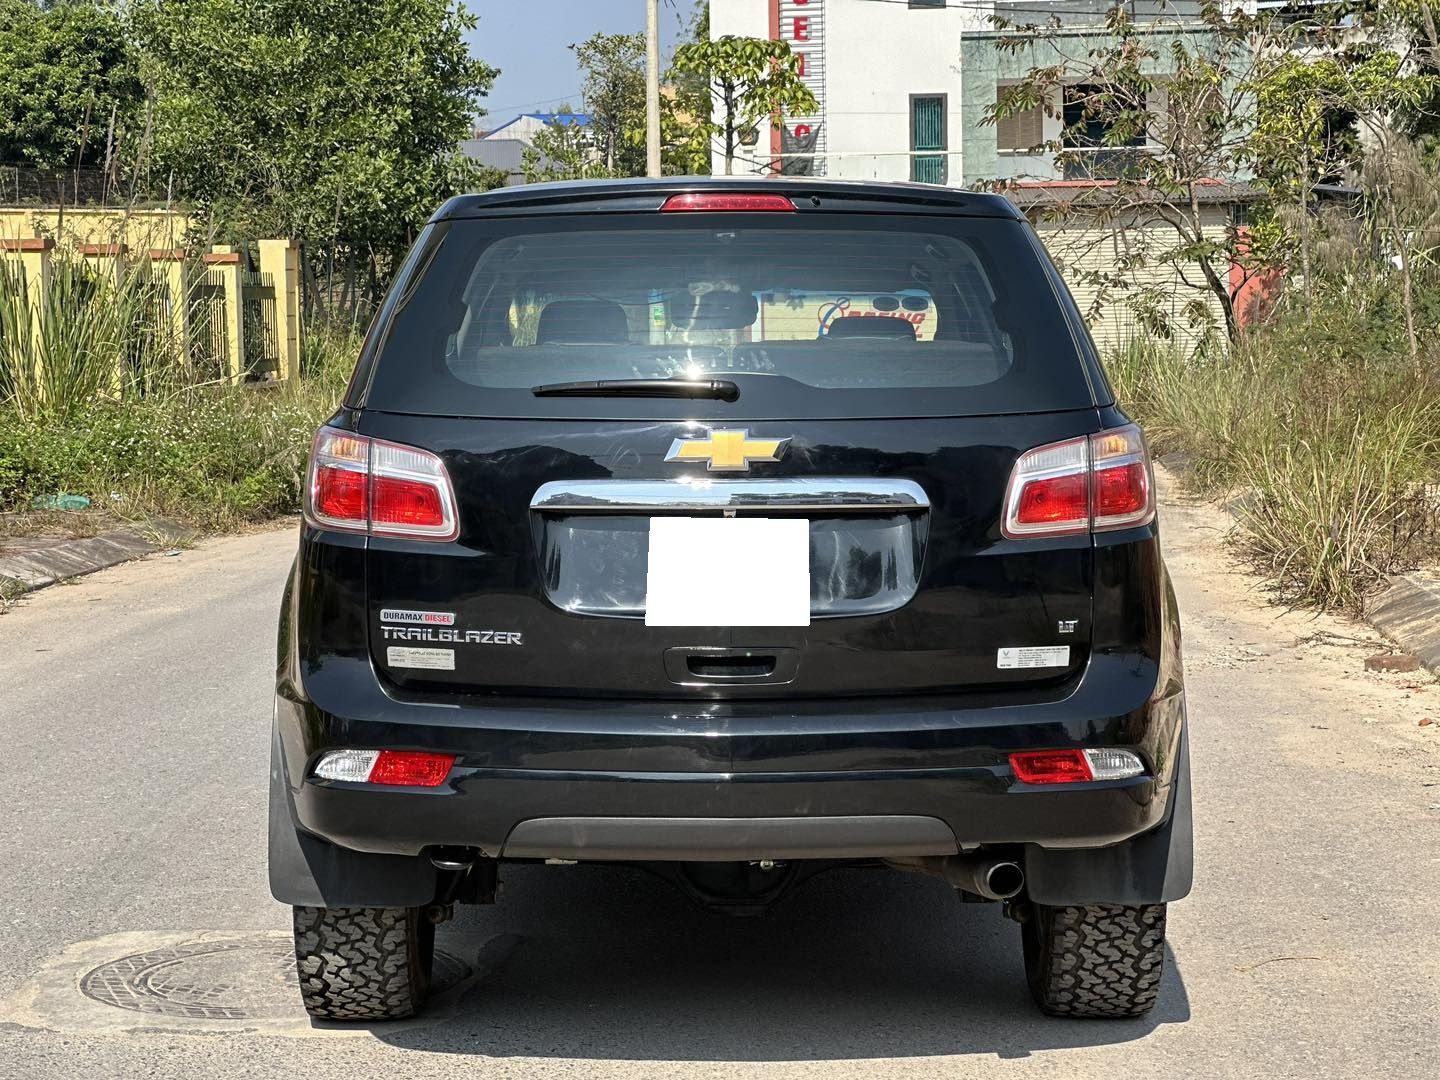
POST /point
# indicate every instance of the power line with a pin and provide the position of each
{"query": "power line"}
(527, 104)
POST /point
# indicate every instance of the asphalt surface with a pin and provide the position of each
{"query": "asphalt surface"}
(134, 715)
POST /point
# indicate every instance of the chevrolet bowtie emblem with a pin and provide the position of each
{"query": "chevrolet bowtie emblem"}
(727, 451)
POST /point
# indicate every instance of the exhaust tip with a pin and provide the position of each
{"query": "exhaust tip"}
(1004, 880)
(452, 858)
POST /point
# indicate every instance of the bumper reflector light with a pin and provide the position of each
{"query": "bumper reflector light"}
(402, 768)
(1110, 764)
(1050, 766)
(352, 765)
(1074, 766)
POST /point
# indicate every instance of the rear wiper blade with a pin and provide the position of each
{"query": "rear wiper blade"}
(717, 389)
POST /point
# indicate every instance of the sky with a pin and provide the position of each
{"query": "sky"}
(529, 40)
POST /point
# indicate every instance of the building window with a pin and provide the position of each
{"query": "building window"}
(1085, 138)
(1020, 131)
(927, 133)
(927, 3)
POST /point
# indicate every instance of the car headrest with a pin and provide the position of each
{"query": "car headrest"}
(717, 310)
(877, 326)
(582, 322)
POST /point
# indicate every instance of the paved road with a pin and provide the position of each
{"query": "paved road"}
(134, 711)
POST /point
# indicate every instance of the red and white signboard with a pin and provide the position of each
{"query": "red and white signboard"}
(801, 23)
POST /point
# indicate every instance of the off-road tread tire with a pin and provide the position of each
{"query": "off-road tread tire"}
(1098, 960)
(363, 963)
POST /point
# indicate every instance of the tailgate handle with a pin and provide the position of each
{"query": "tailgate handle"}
(738, 666)
(705, 664)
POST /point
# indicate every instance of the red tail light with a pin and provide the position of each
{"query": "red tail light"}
(1051, 767)
(411, 768)
(722, 202)
(364, 485)
(1096, 483)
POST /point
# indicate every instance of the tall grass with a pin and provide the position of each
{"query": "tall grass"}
(113, 411)
(90, 336)
(1332, 446)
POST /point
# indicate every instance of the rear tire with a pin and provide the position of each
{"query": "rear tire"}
(363, 963)
(1097, 960)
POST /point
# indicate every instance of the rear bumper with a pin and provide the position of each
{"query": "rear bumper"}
(728, 781)
(944, 810)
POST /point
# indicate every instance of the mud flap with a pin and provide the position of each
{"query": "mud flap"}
(307, 871)
(1151, 869)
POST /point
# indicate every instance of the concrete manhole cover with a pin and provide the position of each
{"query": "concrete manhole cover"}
(241, 978)
(217, 982)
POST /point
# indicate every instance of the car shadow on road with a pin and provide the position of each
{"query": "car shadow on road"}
(612, 963)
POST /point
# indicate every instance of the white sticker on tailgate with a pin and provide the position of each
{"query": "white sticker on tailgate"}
(728, 572)
(1033, 656)
(434, 659)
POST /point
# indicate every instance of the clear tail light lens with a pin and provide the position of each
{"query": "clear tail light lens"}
(1092, 484)
(364, 485)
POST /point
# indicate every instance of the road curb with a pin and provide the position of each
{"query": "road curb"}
(1408, 611)
(22, 573)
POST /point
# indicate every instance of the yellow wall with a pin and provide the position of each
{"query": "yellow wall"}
(140, 230)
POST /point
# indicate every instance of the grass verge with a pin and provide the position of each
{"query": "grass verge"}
(213, 457)
(1331, 444)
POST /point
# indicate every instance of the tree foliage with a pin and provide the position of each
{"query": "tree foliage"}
(726, 88)
(563, 150)
(613, 90)
(1244, 96)
(66, 70)
(332, 121)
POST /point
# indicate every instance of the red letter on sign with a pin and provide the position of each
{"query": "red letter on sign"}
(801, 130)
(802, 28)
(800, 64)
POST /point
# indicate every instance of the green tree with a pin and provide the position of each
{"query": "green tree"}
(727, 87)
(563, 150)
(1309, 116)
(613, 90)
(68, 84)
(333, 121)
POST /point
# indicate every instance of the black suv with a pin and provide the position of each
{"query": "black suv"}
(735, 529)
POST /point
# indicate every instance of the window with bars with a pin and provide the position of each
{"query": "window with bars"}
(927, 133)
(1020, 131)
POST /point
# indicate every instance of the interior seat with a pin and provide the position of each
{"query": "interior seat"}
(582, 322)
(877, 326)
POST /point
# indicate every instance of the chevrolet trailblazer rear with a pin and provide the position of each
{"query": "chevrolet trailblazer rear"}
(738, 530)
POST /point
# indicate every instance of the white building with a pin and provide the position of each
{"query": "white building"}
(904, 85)
(886, 74)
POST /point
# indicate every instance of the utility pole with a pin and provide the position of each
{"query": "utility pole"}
(652, 87)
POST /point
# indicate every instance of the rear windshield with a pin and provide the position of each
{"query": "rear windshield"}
(811, 315)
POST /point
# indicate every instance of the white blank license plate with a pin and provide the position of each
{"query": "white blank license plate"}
(728, 572)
